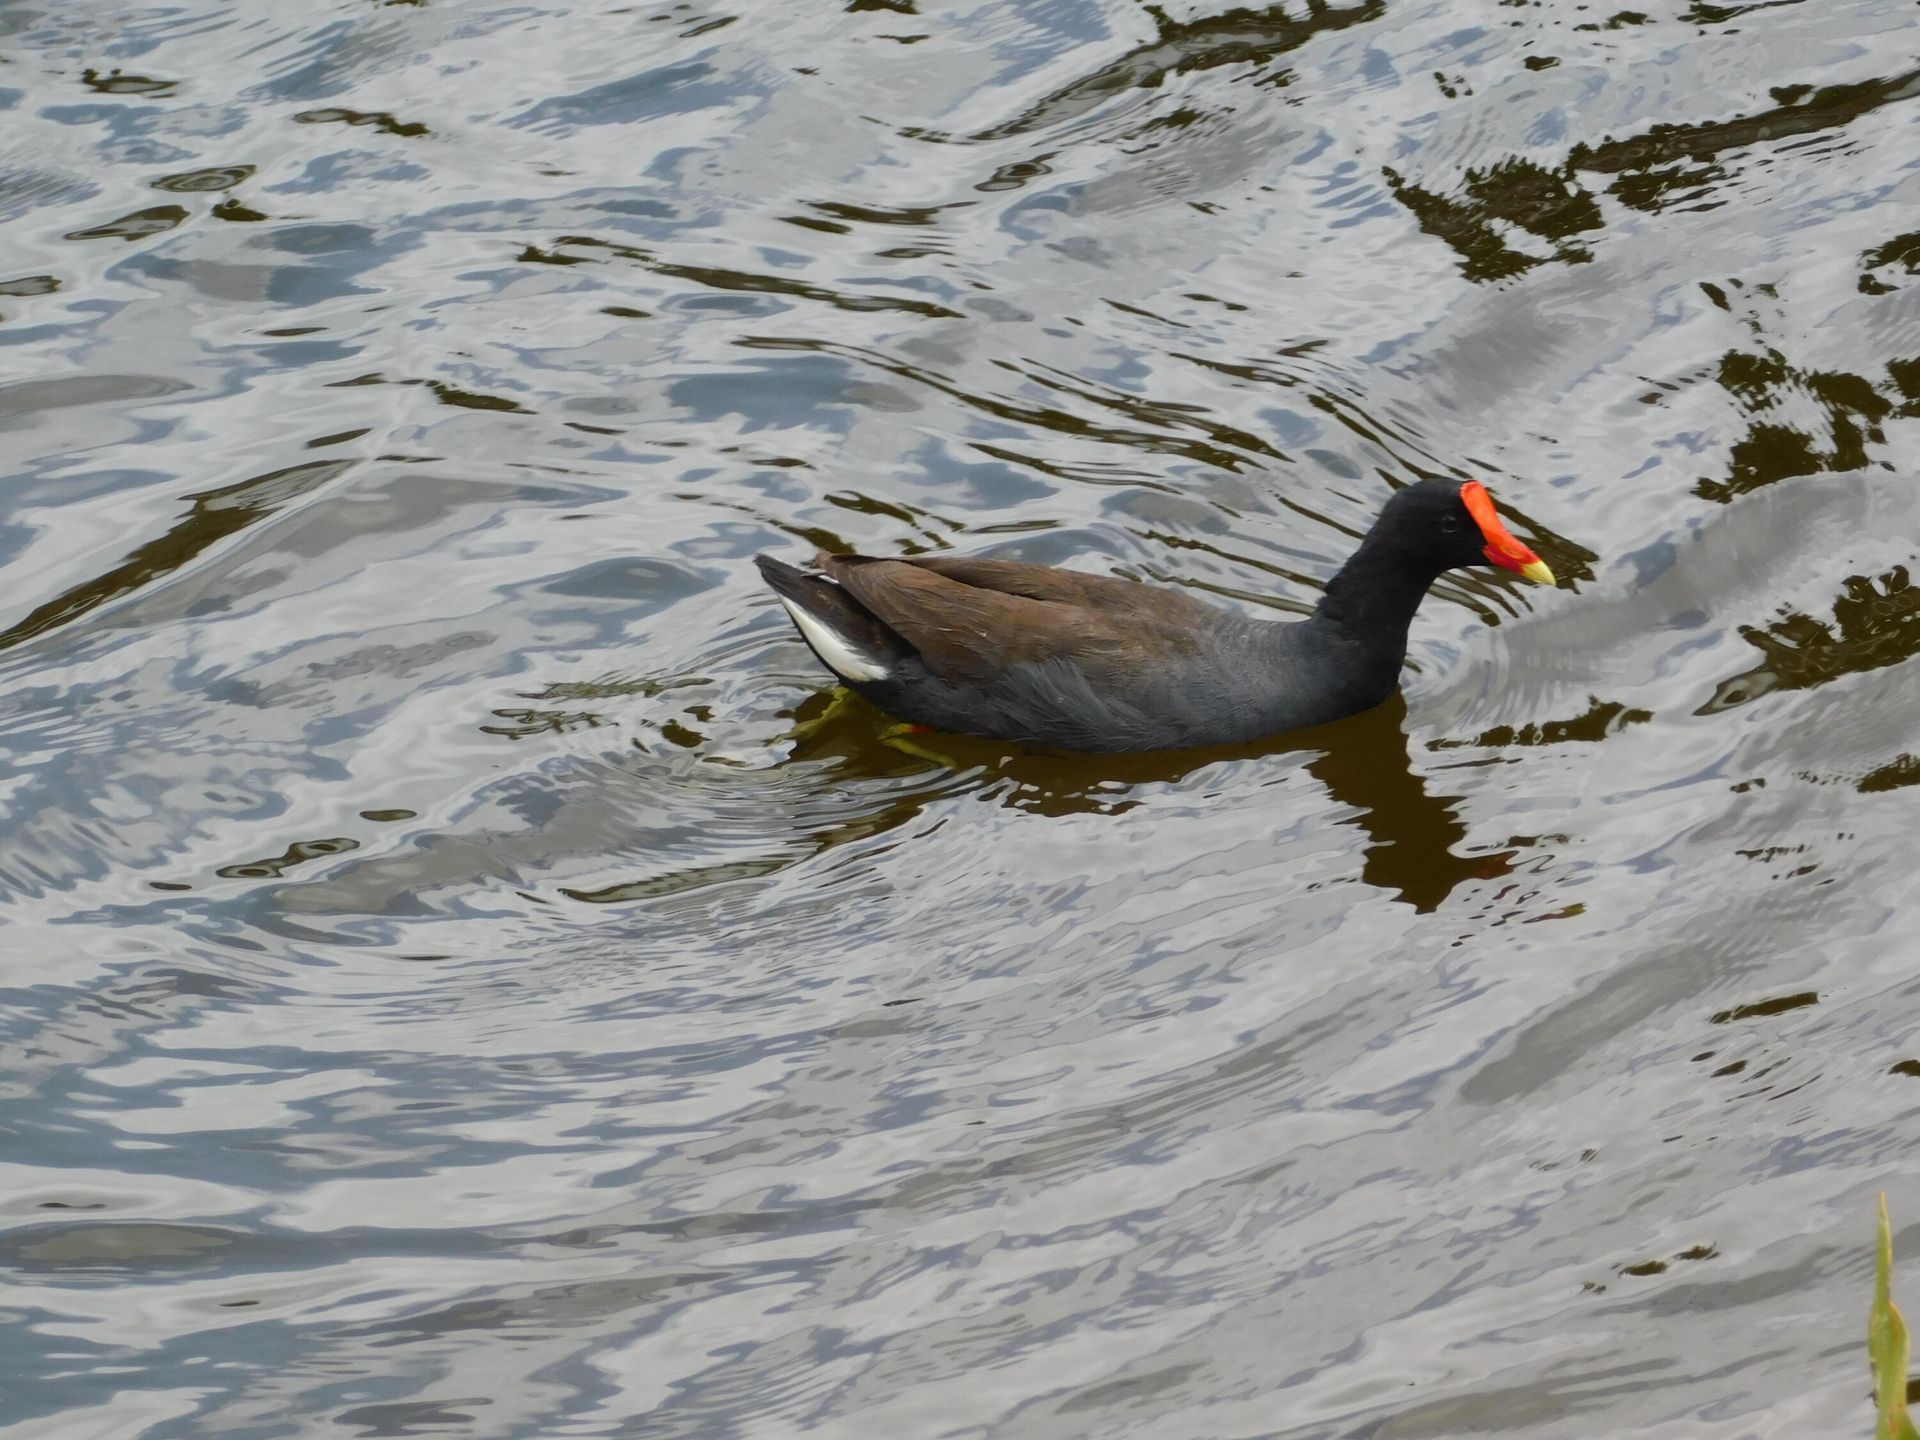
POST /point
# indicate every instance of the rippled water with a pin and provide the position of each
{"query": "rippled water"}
(443, 997)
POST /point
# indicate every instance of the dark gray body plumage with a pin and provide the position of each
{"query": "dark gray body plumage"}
(1226, 693)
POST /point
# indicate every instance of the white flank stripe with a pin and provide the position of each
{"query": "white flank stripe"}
(834, 648)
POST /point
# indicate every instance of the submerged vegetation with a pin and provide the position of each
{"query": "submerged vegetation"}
(1888, 1345)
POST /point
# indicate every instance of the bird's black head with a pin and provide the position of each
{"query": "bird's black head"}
(1449, 525)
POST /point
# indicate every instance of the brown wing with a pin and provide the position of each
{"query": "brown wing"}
(973, 618)
(1066, 587)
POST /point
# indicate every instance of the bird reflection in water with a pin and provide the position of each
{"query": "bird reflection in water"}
(1413, 837)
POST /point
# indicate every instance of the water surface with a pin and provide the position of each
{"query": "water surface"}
(443, 998)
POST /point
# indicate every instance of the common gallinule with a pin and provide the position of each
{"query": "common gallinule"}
(1013, 651)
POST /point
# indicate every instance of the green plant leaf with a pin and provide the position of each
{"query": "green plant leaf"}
(1888, 1345)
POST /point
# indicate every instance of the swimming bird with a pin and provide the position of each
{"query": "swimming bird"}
(1059, 659)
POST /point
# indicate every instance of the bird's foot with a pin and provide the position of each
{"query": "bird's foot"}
(838, 704)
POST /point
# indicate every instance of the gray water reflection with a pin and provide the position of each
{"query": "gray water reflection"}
(458, 983)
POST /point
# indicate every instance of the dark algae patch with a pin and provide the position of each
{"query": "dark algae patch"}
(1763, 1008)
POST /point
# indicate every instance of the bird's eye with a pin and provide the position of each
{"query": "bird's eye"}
(1449, 523)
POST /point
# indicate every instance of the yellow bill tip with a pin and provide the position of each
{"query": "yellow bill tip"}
(1538, 572)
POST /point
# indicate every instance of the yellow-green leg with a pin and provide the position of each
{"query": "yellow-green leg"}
(842, 702)
(895, 737)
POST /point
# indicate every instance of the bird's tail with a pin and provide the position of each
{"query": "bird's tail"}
(849, 639)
